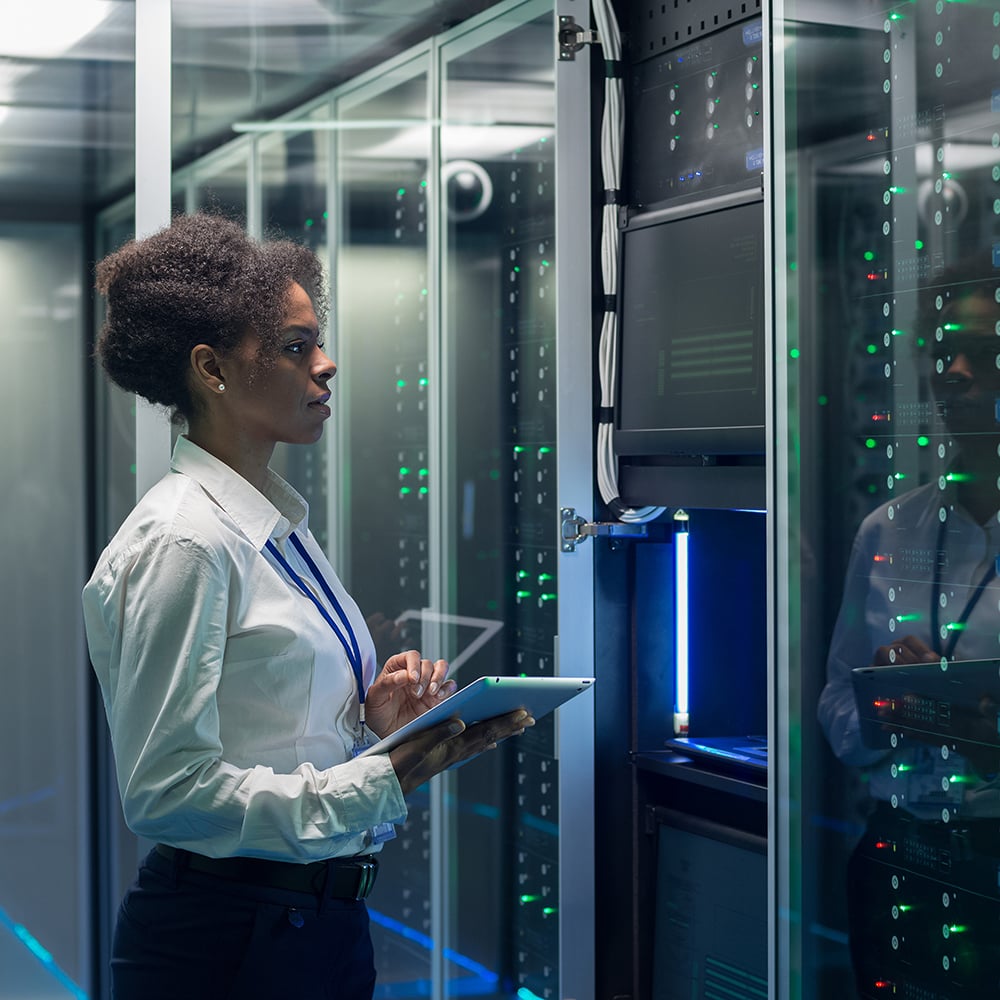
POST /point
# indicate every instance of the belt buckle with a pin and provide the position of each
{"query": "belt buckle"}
(367, 870)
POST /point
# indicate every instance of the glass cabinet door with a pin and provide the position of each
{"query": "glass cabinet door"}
(499, 511)
(887, 309)
(381, 295)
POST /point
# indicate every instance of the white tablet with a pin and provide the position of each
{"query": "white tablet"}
(486, 698)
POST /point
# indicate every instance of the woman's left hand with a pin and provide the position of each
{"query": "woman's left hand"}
(406, 687)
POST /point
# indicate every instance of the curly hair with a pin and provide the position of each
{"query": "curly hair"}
(201, 280)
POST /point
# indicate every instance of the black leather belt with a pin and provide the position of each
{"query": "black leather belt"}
(338, 878)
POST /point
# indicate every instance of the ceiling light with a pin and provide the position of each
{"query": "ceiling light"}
(46, 29)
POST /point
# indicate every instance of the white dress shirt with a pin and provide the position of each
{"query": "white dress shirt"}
(233, 708)
(889, 593)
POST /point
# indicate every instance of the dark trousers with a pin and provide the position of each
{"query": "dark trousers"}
(184, 935)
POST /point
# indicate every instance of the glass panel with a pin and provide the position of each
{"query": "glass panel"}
(44, 784)
(220, 183)
(293, 192)
(500, 505)
(893, 310)
(382, 321)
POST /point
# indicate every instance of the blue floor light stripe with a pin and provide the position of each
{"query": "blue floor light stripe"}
(22, 934)
(462, 961)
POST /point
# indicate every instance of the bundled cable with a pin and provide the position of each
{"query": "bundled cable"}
(612, 143)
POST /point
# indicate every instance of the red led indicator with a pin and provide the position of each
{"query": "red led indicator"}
(871, 137)
(882, 844)
(878, 557)
(880, 416)
(873, 276)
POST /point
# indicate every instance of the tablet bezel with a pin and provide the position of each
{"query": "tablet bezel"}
(487, 697)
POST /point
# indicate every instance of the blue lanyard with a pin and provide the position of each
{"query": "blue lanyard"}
(348, 641)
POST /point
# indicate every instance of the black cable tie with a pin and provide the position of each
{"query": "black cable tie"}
(605, 414)
(616, 507)
(613, 68)
(611, 196)
(610, 303)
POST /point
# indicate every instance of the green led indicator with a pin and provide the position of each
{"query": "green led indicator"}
(401, 383)
(404, 470)
(921, 341)
(545, 263)
(547, 597)
(423, 382)
(870, 443)
(955, 626)
(326, 215)
(523, 574)
(918, 245)
(309, 222)
(715, 125)
(518, 448)
(958, 477)
(869, 255)
(899, 333)
(523, 593)
(946, 175)
(543, 450)
(423, 184)
(958, 928)
(959, 779)
(905, 909)
(794, 352)
(549, 910)
(404, 490)
(422, 473)
(871, 349)
(542, 577)
(401, 192)
(823, 400)
(951, 327)
(131, 468)
(423, 291)
(530, 899)
(897, 189)
(908, 618)
(923, 441)
(792, 266)
(895, 16)
(423, 489)
(517, 270)
(901, 768)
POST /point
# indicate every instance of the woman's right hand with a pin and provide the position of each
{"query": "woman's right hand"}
(419, 759)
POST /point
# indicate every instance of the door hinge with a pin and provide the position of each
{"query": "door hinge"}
(572, 37)
(574, 529)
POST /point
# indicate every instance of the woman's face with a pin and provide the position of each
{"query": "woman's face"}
(288, 401)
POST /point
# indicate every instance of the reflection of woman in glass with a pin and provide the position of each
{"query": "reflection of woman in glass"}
(238, 676)
(922, 585)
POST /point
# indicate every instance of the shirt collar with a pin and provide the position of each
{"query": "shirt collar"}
(275, 513)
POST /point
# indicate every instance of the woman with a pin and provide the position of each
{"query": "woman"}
(238, 676)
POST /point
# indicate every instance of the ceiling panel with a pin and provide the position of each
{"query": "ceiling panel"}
(67, 80)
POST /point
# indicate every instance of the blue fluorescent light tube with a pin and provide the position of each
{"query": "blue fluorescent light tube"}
(681, 569)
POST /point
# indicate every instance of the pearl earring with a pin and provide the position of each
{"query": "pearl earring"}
(222, 387)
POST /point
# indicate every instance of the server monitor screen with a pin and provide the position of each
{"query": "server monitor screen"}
(692, 335)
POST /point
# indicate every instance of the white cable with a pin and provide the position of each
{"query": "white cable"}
(612, 142)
